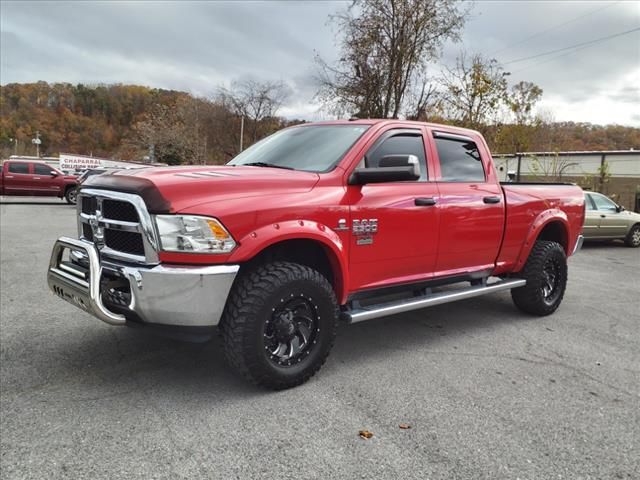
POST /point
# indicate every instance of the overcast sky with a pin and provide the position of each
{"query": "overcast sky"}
(199, 46)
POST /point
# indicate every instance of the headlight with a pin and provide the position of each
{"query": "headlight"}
(190, 233)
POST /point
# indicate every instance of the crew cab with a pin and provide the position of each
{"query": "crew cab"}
(36, 178)
(316, 224)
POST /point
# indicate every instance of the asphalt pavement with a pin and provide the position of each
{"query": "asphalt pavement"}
(487, 391)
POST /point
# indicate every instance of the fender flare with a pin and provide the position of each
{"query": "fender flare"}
(262, 238)
(541, 221)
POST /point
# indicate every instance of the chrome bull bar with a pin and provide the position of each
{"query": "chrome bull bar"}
(185, 296)
(72, 287)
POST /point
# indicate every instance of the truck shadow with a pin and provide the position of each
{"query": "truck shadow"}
(169, 366)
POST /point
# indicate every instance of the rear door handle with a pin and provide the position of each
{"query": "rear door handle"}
(603, 216)
(425, 201)
(491, 199)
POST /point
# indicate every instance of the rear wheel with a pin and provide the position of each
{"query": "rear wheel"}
(279, 324)
(71, 195)
(633, 237)
(546, 276)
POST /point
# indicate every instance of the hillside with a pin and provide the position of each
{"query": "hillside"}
(122, 121)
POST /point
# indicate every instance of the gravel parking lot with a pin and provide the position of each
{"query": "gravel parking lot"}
(488, 392)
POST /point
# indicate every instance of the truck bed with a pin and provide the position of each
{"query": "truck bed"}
(525, 202)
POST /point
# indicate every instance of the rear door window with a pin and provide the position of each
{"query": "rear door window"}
(40, 169)
(21, 168)
(460, 160)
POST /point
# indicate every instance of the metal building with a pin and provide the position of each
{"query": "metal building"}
(615, 173)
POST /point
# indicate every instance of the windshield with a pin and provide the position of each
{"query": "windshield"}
(316, 148)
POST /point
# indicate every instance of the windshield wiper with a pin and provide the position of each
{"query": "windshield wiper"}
(265, 164)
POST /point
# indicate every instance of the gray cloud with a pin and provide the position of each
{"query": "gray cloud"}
(201, 45)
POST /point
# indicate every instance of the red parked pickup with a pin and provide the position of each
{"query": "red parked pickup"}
(36, 178)
(346, 220)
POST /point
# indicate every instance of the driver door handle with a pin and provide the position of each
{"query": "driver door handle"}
(492, 199)
(425, 202)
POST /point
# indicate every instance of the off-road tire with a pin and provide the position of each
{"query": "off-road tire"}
(633, 237)
(532, 298)
(253, 300)
(71, 195)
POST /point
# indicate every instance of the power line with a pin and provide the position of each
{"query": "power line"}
(550, 59)
(590, 42)
(536, 35)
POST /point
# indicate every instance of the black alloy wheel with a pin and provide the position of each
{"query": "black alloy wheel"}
(279, 324)
(551, 280)
(290, 334)
(546, 276)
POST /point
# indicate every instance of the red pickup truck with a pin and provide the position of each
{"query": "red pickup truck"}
(36, 178)
(345, 220)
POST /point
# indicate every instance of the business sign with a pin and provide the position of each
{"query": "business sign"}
(78, 162)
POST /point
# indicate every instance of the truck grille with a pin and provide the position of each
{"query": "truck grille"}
(87, 233)
(118, 224)
(128, 242)
(89, 205)
(117, 210)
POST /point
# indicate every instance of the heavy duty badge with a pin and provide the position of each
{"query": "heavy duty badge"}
(364, 230)
(365, 227)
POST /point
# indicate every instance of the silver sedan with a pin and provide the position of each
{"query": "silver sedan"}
(606, 220)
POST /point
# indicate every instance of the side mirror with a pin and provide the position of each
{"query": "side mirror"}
(54, 174)
(619, 208)
(392, 168)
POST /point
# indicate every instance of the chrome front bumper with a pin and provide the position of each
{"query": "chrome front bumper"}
(165, 295)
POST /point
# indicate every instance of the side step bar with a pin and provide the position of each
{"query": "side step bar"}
(360, 314)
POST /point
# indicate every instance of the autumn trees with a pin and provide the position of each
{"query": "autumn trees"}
(134, 122)
(385, 47)
(254, 100)
(473, 91)
(387, 68)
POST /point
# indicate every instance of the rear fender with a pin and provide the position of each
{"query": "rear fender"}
(542, 220)
(264, 237)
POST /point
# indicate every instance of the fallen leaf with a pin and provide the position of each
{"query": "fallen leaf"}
(405, 426)
(366, 434)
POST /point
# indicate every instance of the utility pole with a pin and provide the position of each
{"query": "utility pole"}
(241, 131)
(37, 143)
(15, 145)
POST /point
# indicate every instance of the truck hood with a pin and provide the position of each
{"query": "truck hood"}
(172, 189)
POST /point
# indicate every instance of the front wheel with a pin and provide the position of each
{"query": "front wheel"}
(279, 324)
(71, 195)
(546, 276)
(633, 237)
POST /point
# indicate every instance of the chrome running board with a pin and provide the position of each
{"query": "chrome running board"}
(360, 313)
